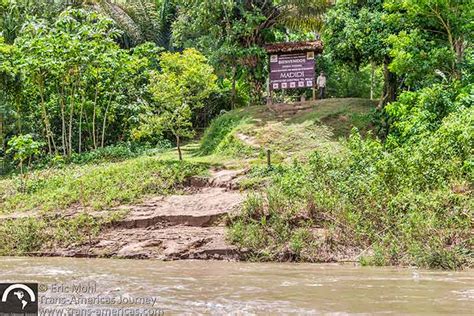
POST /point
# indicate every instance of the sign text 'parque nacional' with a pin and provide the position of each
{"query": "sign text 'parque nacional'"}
(292, 70)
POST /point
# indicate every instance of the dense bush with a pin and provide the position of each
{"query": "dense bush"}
(420, 112)
(410, 205)
(113, 153)
(344, 81)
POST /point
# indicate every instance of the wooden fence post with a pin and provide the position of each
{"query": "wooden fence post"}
(269, 161)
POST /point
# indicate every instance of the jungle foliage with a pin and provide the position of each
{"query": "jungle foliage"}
(405, 200)
(87, 81)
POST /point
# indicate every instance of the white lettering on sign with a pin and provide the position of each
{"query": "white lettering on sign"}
(292, 61)
(286, 75)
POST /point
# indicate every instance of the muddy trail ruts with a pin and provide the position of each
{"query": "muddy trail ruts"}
(173, 227)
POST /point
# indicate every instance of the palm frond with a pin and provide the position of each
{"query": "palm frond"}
(123, 20)
(305, 15)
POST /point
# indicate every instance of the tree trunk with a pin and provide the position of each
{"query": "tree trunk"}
(94, 138)
(88, 130)
(372, 79)
(390, 85)
(2, 138)
(63, 122)
(71, 115)
(80, 128)
(18, 111)
(234, 92)
(47, 125)
(22, 179)
(93, 129)
(459, 47)
(81, 112)
(178, 145)
(104, 123)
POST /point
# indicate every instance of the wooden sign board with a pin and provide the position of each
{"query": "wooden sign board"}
(292, 70)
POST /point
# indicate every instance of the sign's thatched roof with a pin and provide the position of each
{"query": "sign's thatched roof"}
(295, 47)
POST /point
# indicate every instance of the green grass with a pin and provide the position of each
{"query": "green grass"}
(237, 139)
(220, 128)
(408, 205)
(248, 133)
(403, 206)
(94, 186)
(341, 115)
(27, 235)
(328, 107)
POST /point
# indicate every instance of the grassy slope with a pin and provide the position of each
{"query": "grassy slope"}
(388, 204)
(238, 139)
(249, 132)
(341, 115)
(93, 186)
(406, 206)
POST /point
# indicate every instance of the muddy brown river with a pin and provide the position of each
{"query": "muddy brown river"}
(127, 287)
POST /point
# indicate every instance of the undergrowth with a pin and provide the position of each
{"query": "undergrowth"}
(113, 153)
(407, 205)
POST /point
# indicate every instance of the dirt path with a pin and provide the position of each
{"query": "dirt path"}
(189, 226)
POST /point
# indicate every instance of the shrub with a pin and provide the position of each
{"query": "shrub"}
(405, 205)
(417, 113)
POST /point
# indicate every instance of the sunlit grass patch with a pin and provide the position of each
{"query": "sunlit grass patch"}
(95, 186)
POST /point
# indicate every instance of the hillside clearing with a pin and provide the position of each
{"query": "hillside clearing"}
(90, 198)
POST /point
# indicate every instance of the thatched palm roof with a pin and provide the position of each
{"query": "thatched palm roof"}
(295, 47)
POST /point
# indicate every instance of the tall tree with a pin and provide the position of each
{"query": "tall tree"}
(76, 82)
(356, 33)
(140, 20)
(441, 30)
(184, 82)
(232, 33)
(15, 13)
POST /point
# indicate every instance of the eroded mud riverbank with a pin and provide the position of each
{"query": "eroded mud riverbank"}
(190, 225)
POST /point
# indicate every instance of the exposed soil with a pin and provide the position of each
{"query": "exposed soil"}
(189, 226)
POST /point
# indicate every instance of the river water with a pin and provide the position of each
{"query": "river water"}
(214, 287)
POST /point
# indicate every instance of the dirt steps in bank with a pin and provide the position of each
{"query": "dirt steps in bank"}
(284, 110)
(204, 207)
(188, 226)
